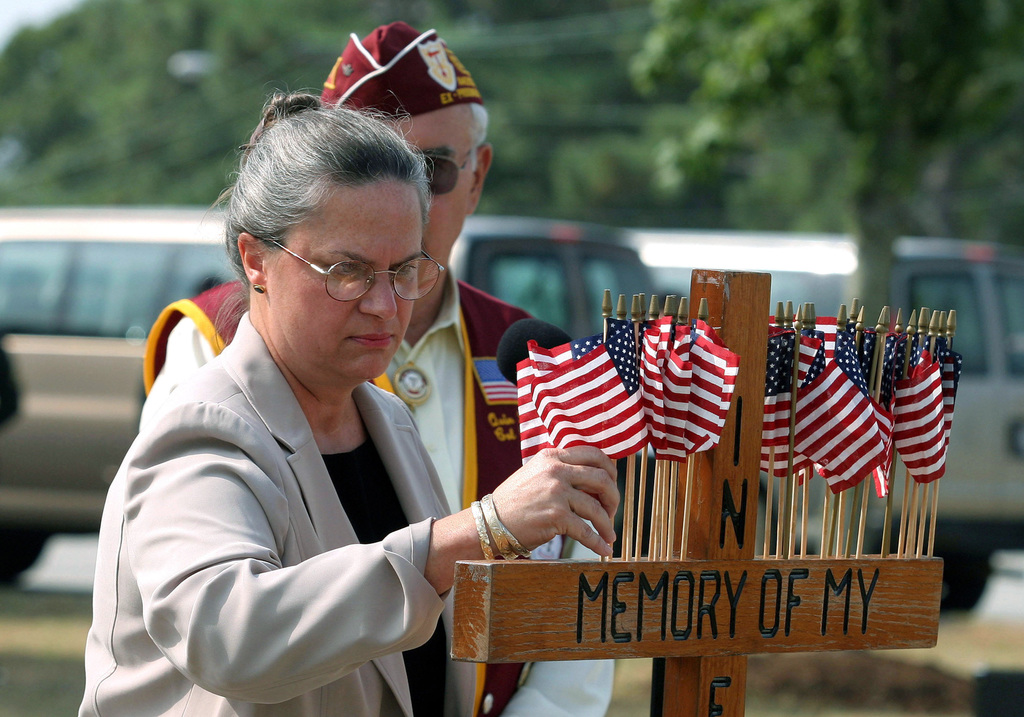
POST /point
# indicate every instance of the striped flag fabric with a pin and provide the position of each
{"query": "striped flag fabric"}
(657, 343)
(593, 396)
(919, 432)
(778, 398)
(677, 381)
(714, 371)
(952, 365)
(837, 427)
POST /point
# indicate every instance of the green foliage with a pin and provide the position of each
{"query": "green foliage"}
(902, 82)
(755, 114)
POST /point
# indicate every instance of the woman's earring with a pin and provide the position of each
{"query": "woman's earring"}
(259, 288)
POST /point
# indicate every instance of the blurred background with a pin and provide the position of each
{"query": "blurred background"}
(734, 124)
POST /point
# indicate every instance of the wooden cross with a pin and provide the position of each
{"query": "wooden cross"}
(708, 610)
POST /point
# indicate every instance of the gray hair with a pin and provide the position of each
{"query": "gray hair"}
(299, 153)
(479, 124)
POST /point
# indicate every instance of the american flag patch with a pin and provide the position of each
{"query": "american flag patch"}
(495, 387)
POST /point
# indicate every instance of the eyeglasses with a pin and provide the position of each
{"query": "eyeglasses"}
(350, 279)
(443, 172)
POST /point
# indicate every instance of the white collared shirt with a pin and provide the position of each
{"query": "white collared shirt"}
(440, 357)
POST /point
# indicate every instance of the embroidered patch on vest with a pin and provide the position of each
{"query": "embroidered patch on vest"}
(494, 386)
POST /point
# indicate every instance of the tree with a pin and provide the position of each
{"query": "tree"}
(904, 81)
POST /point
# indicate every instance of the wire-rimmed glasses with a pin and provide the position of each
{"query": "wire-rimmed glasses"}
(349, 279)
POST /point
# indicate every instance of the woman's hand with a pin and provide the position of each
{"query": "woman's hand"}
(556, 493)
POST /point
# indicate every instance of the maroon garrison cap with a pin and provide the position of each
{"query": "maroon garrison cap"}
(399, 71)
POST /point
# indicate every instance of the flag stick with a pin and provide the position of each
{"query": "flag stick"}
(636, 313)
(841, 527)
(803, 512)
(787, 524)
(768, 502)
(874, 382)
(682, 316)
(629, 502)
(826, 522)
(808, 320)
(950, 333)
(936, 328)
(673, 482)
(657, 514)
(887, 520)
(788, 318)
(668, 495)
(691, 467)
(909, 492)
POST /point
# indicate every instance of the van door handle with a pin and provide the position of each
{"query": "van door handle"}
(1017, 438)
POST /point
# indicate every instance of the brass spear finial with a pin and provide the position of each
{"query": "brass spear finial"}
(842, 318)
(671, 305)
(683, 314)
(654, 311)
(922, 320)
(810, 318)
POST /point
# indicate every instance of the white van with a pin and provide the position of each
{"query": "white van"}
(981, 501)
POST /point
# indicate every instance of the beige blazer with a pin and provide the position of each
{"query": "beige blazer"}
(229, 580)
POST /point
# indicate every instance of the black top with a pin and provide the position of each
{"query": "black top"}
(372, 506)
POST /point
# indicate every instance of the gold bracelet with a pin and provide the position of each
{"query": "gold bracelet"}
(481, 529)
(508, 546)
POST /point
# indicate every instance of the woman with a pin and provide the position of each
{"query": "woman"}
(276, 541)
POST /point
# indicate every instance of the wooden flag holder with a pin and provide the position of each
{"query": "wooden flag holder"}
(707, 610)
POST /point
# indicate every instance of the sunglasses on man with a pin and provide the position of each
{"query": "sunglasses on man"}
(443, 171)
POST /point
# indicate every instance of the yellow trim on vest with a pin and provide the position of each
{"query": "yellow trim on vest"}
(469, 463)
(481, 676)
(384, 382)
(189, 309)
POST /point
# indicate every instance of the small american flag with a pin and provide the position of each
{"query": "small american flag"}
(778, 398)
(657, 339)
(919, 432)
(495, 387)
(715, 368)
(593, 396)
(837, 426)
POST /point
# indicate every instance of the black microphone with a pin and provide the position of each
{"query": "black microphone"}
(513, 345)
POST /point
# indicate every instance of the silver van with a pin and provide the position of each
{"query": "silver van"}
(981, 501)
(80, 289)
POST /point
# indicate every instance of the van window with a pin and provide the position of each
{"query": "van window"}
(104, 289)
(616, 273)
(534, 282)
(954, 291)
(32, 280)
(1011, 298)
(198, 268)
(114, 288)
